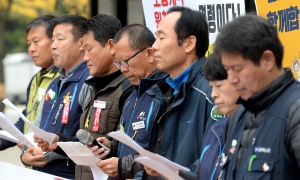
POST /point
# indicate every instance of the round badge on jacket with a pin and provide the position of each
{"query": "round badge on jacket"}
(216, 114)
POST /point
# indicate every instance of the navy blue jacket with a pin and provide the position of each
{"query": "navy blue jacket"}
(186, 121)
(180, 131)
(52, 117)
(214, 144)
(144, 104)
(273, 150)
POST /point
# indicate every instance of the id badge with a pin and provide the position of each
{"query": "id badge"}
(99, 104)
(138, 125)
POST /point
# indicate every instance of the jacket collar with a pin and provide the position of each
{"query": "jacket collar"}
(75, 73)
(152, 79)
(50, 72)
(176, 82)
(196, 69)
(184, 88)
(267, 96)
(104, 82)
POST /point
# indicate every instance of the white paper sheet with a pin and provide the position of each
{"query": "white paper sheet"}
(81, 155)
(5, 135)
(124, 138)
(7, 125)
(46, 136)
(159, 167)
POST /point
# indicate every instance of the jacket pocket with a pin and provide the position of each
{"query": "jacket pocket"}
(260, 169)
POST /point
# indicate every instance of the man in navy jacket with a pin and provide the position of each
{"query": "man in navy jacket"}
(61, 110)
(180, 47)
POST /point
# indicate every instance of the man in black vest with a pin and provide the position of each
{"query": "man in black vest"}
(264, 133)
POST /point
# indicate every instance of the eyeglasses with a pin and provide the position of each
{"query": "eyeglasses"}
(124, 63)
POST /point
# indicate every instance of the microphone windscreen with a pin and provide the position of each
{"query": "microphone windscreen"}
(84, 136)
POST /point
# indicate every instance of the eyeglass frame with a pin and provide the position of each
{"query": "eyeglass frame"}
(121, 63)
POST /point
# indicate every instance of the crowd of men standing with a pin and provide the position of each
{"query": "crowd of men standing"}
(232, 116)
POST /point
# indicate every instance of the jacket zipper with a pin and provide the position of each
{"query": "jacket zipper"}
(253, 140)
(220, 151)
(136, 99)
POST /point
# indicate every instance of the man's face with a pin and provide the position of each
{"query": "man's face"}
(39, 47)
(137, 66)
(99, 59)
(167, 53)
(65, 51)
(247, 78)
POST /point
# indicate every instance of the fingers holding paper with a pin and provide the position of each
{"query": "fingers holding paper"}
(44, 145)
(109, 166)
(20, 145)
(151, 172)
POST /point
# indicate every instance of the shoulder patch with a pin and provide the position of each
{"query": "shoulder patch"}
(216, 114)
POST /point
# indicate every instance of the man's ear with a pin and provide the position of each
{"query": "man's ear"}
(80, 43)
(110, 44)
(190, 44)
(150, 54)
(268, 60)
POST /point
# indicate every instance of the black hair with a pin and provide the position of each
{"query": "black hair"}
(47, 21)
(250, 36)
(139, 36)
(191, 22)
(213, 69)
(76, 21)
(103, 26)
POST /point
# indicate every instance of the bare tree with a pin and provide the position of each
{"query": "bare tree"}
(4, 12)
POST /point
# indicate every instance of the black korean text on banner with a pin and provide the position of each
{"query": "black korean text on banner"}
(218, 15)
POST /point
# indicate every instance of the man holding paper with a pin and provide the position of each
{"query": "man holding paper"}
(135, 58)
(61, 111)
(108, 87)
(39, 34)
(179, 49)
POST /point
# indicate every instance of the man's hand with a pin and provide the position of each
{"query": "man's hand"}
(109, 166)
(44, 145)
(20, 145)
(151, 172)
(100, 152)
(104, 141)
(34, 157)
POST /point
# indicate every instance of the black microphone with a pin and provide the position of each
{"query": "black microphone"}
(86, 138)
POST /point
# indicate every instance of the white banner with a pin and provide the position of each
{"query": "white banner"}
(217, 13)
(220, 12)
(155, 10)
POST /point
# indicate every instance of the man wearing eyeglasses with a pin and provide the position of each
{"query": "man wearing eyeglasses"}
(135, 58)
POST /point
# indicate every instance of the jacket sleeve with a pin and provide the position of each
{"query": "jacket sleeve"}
(189, 175)
(64, 138)
(293, 131)
(127, 167)
(4, 144)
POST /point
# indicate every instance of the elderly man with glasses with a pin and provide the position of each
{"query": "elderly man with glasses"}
(143, 107)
